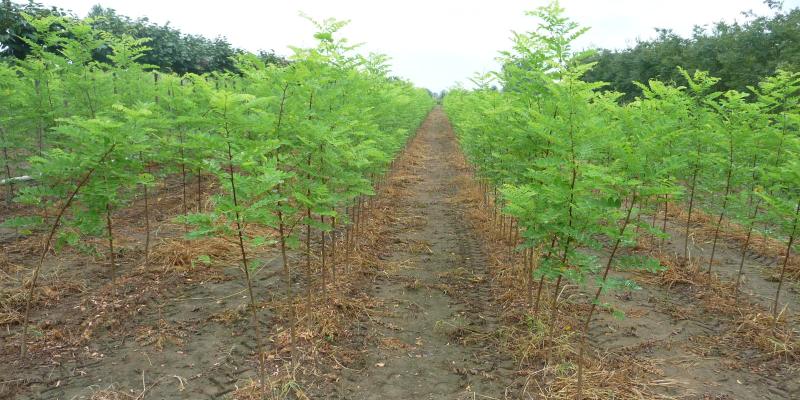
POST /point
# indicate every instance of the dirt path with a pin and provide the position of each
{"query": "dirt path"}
(437, 292)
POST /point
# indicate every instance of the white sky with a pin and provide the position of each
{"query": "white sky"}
(434, 43)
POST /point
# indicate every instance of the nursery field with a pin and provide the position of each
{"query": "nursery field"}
(319, 229)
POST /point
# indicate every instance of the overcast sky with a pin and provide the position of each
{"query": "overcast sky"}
(434, 43)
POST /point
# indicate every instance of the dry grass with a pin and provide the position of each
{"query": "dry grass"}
(160, 334)
(111, 394)
(280, 385)
(52, 287)
(732, 232)
(183, 255)
(608, 376)
(526, 336)
(753, 325)
(56, 285)
(325, 320)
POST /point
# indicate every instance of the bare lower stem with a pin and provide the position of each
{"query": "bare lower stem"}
(595, 300)
(46, 248)
(785, 262)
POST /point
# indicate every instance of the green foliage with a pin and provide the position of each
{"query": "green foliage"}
(298, 139)
(285, 144)
(578, 170)
(170, 50)
(552, 145)
(741, 54)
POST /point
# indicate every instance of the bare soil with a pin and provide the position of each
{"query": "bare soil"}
(415, 347)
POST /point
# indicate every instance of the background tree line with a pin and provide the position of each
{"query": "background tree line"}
(740, 54)
(170, 49)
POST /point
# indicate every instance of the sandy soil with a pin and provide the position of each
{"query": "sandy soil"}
(438, 291)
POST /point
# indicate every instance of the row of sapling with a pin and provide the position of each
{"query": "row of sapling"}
(779, 98)
(662, 108)
(285, 146)
(697, 141)
(40, 80)
(738, 138)
(89, 154)
(310, 143)
(783, 202)
(185, 138)
(729, 144)
(248, 196)
(594, 168)
(11, 135)
(754, 126)
(567, 200)
(741, 123)
(737, 132)
(91, 177)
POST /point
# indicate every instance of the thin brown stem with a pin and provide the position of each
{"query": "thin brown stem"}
(596, 299)
(785, 262)
(46, 247)
(689, 216)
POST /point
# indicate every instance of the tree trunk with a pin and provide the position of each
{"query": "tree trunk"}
(724, 207)
(666, 212)
(289, 292)
(248, 279)
(111, 259)
(744, 249)
(185, 209)
(7, 164)
(541, 279)
(308, 256)
(553, 320)
(785, 262)
(46, 248)
(529, 275)
(199, 190)
(146, 217)
(689, 217)
(322, 266)
(333, 252)
(588, 320)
